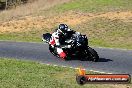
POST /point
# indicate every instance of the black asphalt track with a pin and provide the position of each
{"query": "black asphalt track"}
(111, 60)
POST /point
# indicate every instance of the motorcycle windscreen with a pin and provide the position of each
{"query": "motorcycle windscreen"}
(47, 36)
(81, 40)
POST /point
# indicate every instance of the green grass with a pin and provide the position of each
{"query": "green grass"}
(33, 35)
(23, 37)
(108, 33)
(101, 31)
(28, 74)
(96, 5)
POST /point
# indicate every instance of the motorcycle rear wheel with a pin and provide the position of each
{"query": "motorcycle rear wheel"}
(93, 55)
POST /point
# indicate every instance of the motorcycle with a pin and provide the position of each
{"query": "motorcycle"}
(79, 48)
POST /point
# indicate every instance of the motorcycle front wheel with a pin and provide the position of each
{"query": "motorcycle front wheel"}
(90, 54)
(53, 51)
(93, 55)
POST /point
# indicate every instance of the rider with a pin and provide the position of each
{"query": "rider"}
(60, 34)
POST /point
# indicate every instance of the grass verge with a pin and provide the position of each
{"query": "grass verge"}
(94, 6)
(28, 74)
(109, 30)
(102, 32)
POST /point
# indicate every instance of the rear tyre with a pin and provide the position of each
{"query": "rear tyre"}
(93, 54)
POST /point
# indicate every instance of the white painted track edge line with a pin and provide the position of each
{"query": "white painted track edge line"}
(76, 68)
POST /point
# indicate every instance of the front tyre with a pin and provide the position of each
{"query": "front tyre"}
(53, 51)
(93, 54)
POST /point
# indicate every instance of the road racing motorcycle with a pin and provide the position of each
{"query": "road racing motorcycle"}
(79, 47)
